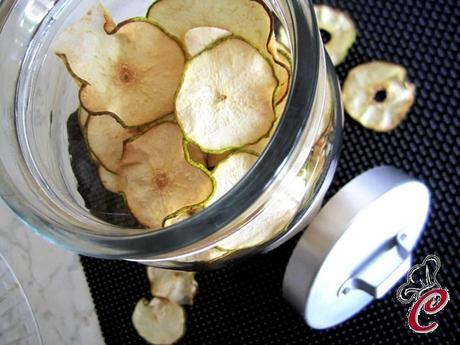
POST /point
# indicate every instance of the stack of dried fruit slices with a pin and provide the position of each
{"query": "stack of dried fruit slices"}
(169, 112)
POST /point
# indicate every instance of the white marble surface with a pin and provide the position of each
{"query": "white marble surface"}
(54, 283)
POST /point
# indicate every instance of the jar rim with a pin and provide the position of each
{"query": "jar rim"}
(304, 84)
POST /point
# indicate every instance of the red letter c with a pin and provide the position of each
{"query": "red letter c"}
(430, 305)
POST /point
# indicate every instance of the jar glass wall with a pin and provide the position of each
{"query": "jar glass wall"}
(38, 182)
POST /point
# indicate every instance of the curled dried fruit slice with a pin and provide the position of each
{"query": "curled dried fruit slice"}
(177, 286)
(196, 155)
(230, 171)
(259, 146)
(157, 179)
(214, 159)
(105, 140)
(341, 29)
(159, 322)
(245, 18)
(83, 117)
(218, 106)
(198, 39)
(109, 180)
(131, 70)
(364, 86)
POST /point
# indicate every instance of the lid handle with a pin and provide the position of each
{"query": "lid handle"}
(382, 270)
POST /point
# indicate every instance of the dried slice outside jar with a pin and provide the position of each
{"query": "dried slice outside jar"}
(157, 179)
(159, 322)
(218, 107)
(342, 31)
(131, 70)
(249, 19)
(366, 83)
(177, 286)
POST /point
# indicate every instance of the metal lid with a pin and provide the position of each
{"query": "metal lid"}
(357, 247)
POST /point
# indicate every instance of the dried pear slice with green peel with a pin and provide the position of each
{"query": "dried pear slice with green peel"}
(249, 19)
(259, 146)
(83, 117)
(229, 172)
(105, 138)
(177, 286)
(159, 322)
(215, 158)
(218, 107)
(109, 180)
(198, 39)
(196, 155)
(341, 29)
(361, 89)
(131, 71)
(157, 179)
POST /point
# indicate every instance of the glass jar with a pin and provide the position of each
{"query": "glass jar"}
(274, 201)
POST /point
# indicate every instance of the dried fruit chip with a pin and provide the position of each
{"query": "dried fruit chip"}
(246, 18)
(105, 138)
(196, 155)
(270, 222)
(179, 287)
(229, 172)
(366, 83)
(342, 31)
(259, 146)
(159, 322)
(177, 217)
(157, 179)
(218, 107)
(131, 70)
(198, 39)
(83, 117)
(109, 180)
(214, 158)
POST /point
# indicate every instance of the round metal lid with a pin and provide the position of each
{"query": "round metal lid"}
(357, 247)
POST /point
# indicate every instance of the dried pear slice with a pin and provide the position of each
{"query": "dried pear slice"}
(362, 88)
(230, 171)
(341, 28)
(160, 321)
(198, 39)
(246, 18)
(176, 217)
(259, 146)
(249, 19)
(157, 179)
(83, 117)
(218, 107)
(105, 140)
(131, 71)
(109, 180)
(196, 155)
(215, 158)
(177, 286)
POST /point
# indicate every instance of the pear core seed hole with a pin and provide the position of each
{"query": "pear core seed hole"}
(161, 180)
(221, 97)
(325, 35)
(125, 74)
(380, 95)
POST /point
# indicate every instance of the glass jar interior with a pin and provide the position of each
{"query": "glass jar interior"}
(46, 96)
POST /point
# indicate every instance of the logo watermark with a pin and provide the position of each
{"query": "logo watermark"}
(424, 294)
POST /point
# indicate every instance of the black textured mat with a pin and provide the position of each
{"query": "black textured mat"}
(243, 304)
